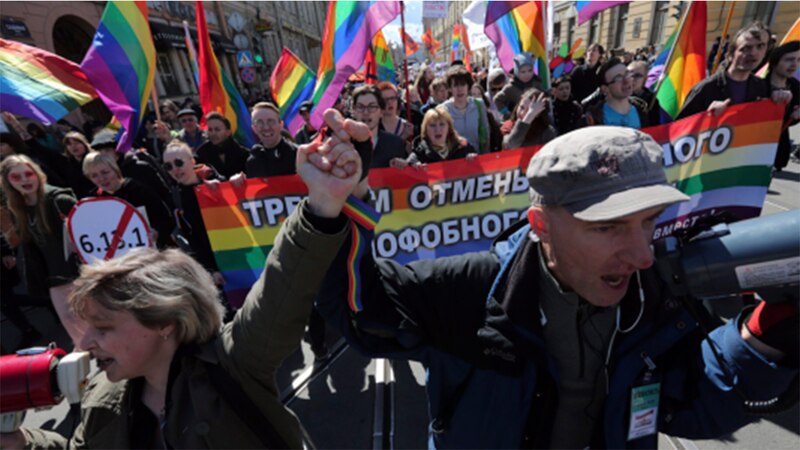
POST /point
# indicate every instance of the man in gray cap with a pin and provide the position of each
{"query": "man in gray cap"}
(561, 335)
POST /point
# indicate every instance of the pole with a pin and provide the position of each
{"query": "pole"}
(671, 54)
(724, 33)
(405, 58)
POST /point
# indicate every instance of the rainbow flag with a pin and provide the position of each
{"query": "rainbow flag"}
(187, 38)
(515, 29)
(456, 206)
(590, 8)
(121, 63)
(40, 85)
(456, 41)
(384, 66)
(687, 63)
(291, 83)
(657, 67)
(349, 29)
(217, 92)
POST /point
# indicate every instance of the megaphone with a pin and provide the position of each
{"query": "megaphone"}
(761, 255)
(39, 377)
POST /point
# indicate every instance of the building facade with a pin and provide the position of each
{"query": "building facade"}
(260, 29)
(634, 25)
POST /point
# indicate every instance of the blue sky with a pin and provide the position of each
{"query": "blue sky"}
(413, 23)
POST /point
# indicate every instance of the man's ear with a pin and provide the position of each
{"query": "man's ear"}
(538, 223)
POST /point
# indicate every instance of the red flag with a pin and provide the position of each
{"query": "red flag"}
(370, 68)
(411, 45)
(431, 44)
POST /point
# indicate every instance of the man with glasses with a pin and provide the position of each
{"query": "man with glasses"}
(619, 108)
(368, 106)
(273, 155)
(638, 71)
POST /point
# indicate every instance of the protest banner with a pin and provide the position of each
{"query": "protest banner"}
(723, 163)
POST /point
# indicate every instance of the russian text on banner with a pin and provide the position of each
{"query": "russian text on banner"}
(723, 163)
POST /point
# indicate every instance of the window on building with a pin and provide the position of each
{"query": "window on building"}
(660, 10)
(167, 74)
(556, 34)
(622, 19)
(594, 30)
(570, 30)
(763, 11)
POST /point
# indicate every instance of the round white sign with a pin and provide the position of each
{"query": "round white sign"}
(106, 227)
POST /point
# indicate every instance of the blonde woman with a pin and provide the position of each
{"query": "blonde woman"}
(438, 141)
(39, 211)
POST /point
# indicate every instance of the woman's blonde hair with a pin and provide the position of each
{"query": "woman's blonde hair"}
(76, 136)
(158, 288)
(454, 140)
(177, 145)
(16, 202)
(96, 158)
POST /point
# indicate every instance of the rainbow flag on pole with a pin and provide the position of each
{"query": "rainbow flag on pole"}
(590, 8)
(349, 29)
(456, 41)
(291, 83)
(686, 65)
(384, 66)
(516, 27)
(40, 85)
(187, 38)
(121, 63)
(217, 92)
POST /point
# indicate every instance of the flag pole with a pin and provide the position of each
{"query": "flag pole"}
(405, 58)
(670, 55)
(724, 33)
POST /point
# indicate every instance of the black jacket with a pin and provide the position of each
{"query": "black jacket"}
(235, 157)
(271, 162)
(567, 116)
(81, 186)
(584, 81)
(654, 112)
(145, 170)
(423, 153)
(190, 220)
(389, 146)
(715, 88)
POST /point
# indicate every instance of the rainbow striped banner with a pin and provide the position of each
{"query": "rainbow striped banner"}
(384, 65)
(190, 50)
(516, 27)
(40, 85)
(590, 8)
(349, 29)
(686, 65)
(723, 163)
(217, 92)
(291, 83)
(121, 63)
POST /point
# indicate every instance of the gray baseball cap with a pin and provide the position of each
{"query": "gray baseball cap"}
(601, 173)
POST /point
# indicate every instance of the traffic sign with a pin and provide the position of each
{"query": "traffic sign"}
(248, 75)
(244, 58)
(106, 227)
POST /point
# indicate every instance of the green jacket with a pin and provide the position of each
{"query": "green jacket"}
(266, 330)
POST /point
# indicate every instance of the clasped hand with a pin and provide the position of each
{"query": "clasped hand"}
(332, 169)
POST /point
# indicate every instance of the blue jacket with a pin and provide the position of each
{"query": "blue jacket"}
(473, 322)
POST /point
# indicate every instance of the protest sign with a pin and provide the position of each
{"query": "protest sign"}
(723, 163)
(105, 228)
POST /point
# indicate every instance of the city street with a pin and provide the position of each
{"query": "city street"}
(353, 402)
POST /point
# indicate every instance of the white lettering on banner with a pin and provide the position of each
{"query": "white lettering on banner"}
(383, 200)
(267, 211)
(669, 228)
(446, 233)
(464, 190)
(689, 147)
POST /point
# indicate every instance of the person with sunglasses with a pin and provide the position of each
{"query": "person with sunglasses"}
(619, 107)
(39, 211)
(183, 168)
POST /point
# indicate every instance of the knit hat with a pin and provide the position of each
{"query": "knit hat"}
(523, 59)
